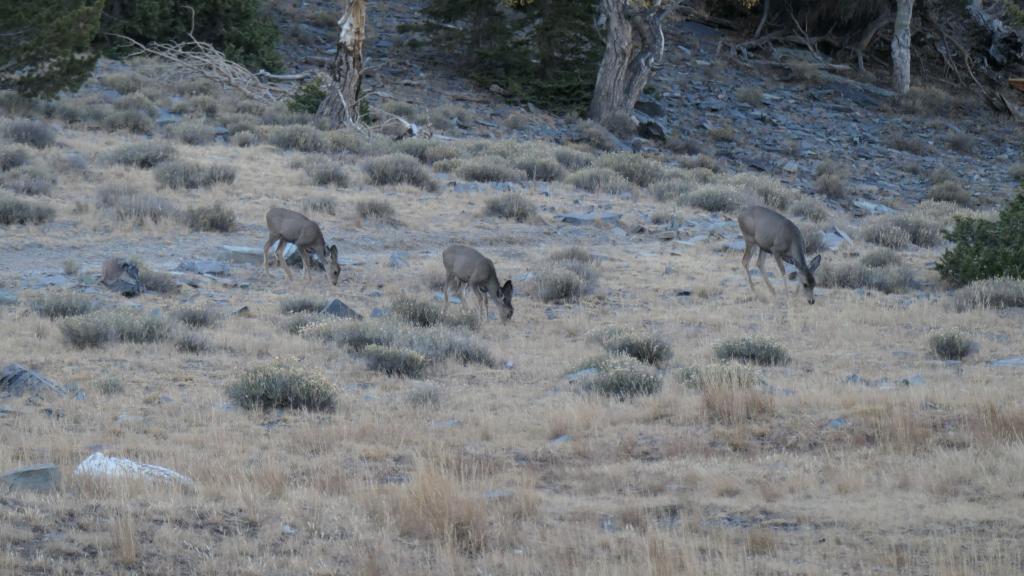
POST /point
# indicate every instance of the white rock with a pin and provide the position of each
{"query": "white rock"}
(99, 465)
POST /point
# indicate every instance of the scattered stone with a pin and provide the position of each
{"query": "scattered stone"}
(561, 440)
(287, 530)
(581, 374)
(338, 308)
(508, 364)
(439, 296)
(38, 478)
(872, 207)
(17, 381)
(791, 167)
(377, 313)
(1012, 361)
(397, 260)
(578, 218)
(108, 466)
(214, 267)
(837, 423)
(8, 298)
(121, 277)
(833, 238)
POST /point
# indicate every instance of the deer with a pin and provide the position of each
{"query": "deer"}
(289, 226)
(772, 233)
(464, 265)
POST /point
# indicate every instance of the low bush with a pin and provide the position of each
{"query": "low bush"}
(133, 121)
(29, 181)
(511, 206)
(990, 293)
(489, 169)
(102, 327)
(17, 211)
(599, 181)
(430, 313)
(145, 154)
(300, 304)
(214, 218)
(198, 316)
(394, 361)
(951, 346)
(986, 249)
(34, 133)
(327, 173)
(324, 204)
(12, 157)
(188, 175)
(192, 132)
(538, 166)
(887, 279)
(950, 191)
(297, 137)
(648, 348)
(282, 385)
(131, 204)
(192, 343)
(394, 169)
(752, 350)
(881, 258)
(593, 134)
(63, 304)
(376, 209)
(714, 198)
(621, 376)
(633, 167)
(573, 159)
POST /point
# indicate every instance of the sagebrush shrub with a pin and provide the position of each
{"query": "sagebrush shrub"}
(753, 350)
(283, 385)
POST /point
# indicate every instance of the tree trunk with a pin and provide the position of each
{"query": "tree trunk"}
(633, 45)
(901, 47)
(341, 105)
(1006, 43)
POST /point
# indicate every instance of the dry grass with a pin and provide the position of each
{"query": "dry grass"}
(511, 206)
(17, 211)
(864, 454)
(991, 293)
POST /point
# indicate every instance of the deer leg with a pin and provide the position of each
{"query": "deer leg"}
(280, 259)
(447, 285)
(266, 253)
(748, 251)
(760, 266)
(782, 270)
(305, 265)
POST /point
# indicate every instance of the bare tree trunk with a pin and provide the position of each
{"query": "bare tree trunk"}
(341, 105)
(901, 47)
(634, 44)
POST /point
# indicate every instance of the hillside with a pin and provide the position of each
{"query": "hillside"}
(643, 412)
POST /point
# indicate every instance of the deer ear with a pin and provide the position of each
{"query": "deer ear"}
(507, 288)
(815, 263)
(334, 251)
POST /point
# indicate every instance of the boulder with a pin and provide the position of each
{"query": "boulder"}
(122, 277)
(99, 465)
(39, 478)
(338, 308)
(17, 381)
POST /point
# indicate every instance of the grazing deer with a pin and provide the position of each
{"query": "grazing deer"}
(772, 233)
(464, 265)
(289, 226)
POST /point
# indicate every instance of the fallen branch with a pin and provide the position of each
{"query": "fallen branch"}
(282, 77)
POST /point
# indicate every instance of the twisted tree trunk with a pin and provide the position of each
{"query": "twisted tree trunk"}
(341, 105)
(633, 45)
(901, 47)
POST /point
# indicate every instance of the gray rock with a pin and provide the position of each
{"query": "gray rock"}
(215, 267)
(790, 167)
(872, 207)
(39, 478)
(397, 260)
(837, 423)
(581, 374)
(377, 313)
(8, 298)
(338, 308)
(578, 218)
(439, 296)
(652, 130)
(561, 440)
(17, 381)
(1012, 361)
(650, 107)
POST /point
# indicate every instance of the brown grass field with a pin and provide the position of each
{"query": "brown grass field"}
(508, 468)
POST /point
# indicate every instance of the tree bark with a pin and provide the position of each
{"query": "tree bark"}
(1006, 43)
(633, 45)
(341, 104)
(901, 47)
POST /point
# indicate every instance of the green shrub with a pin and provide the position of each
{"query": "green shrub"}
(192, 343)
(297, 137)
(215, 218)
(951, 346)
(12, 157)
(394, 361)
(648, 348)
(599, 180)
(191, 132)
(114, 325)
(16, 211)
(621, 376)
(752, 350)
(376, 209)
(282, 385)
(430, 313)
(489, 169)
(145, 154)
(990, 293)
(308, 97)
(125, 83)
(394, 169)
(198, 316)
(34, 133)
(633, 167)
(327, 173)
(185, 174)
(29, 181)
(511, 206)
(54, 305)
(134, 121)
(986, 249)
